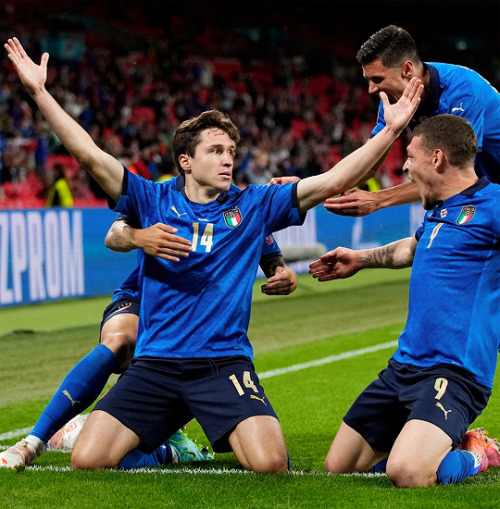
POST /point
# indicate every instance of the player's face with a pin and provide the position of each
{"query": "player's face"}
(421, 170)
(386, 79)
(213, 160)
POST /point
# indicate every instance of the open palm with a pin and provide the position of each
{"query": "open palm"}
(32, 76)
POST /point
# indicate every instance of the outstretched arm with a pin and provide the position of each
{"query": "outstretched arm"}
(361, 203)
(158, 240)
(342, 262)
(314, 190)
(107, 170)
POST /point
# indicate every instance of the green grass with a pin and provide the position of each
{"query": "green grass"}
(317, 321)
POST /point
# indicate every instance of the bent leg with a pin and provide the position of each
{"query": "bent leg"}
(259, 445)
(350, 452)
(102, 443)
(417, 453)
(119, 334)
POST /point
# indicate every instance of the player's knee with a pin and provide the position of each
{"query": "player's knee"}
(332, 465)
(272, 463)
(85, 460)
(116, 341)
(406, 474)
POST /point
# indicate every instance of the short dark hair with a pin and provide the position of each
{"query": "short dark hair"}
(452, 134)
(393, 45)
(187, 136)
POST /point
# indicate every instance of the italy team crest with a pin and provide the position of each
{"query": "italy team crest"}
(466, 215)
(233, 217)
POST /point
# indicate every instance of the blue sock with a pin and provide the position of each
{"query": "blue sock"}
(139, 459)
(381, 466)
(456, 465)
(78, 391)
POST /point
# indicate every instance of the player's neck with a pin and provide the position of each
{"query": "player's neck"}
(200, 194)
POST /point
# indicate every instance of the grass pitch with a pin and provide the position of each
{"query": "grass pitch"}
(315, 351)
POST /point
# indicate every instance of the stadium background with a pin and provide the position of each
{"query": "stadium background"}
(131, 71)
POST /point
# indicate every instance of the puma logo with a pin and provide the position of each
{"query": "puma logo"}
(178, 214)
(457, 109)
(252, 396)
(68, 395)
(446, 412)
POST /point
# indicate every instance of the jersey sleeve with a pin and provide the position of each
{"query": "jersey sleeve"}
(279, 206)
(138, 198)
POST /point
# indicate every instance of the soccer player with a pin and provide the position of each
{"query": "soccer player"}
(193, 357)
(87, 379)
(415, 414)
(390, 59)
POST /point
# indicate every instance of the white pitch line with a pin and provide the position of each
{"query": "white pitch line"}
(15, 433)
(211, 471)
(327, 360)
(269, 374)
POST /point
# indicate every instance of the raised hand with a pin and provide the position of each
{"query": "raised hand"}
(32, 76)
(398, 115)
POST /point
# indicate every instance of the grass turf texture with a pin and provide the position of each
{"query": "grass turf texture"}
(317, 321)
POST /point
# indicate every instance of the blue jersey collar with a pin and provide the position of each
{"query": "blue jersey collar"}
(429, 107)
(480, 184)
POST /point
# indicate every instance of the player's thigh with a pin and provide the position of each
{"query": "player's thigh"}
(147, 400)
(258, 444)
(350, 452)
(226, 396)
(446, 397)
(417, 453)
(103, 442)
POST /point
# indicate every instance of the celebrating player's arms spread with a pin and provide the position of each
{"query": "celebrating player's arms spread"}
(194, 314)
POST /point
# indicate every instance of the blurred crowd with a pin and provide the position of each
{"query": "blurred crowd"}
(129, 84)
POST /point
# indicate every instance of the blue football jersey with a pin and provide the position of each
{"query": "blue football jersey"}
(461, 91)
(454, 303)
(200, 306)
(130, 287)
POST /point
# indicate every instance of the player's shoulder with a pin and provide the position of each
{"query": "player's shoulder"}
(457, 77)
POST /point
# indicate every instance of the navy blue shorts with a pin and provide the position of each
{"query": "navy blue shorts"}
(125, 304)
(445, 396)
(155, 397)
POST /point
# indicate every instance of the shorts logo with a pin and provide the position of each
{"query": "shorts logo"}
(252, 396)
(233, 217)
(446, 412)
(466, 215)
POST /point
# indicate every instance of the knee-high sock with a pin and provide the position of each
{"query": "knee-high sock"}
(78, 391)
(456, 465)
(139, 459)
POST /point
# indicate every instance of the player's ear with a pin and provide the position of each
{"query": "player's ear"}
(438, 158)
(408, 70)
(185, 163)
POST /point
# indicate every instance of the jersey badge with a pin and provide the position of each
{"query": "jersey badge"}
(233, 217)
(466, 215)
(443, 213)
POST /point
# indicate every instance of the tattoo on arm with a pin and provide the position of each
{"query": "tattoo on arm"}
(379, 257)
(269, 265)
(119, 239)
